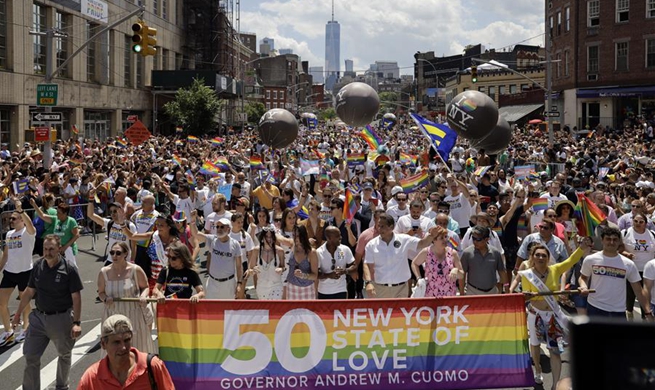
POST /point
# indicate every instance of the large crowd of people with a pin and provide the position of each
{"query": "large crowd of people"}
(267, 225)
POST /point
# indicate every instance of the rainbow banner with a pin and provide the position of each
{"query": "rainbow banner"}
(412, 183)
(355, 159)
(448, 343)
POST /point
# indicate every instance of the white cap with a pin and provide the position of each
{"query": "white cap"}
(396, 190)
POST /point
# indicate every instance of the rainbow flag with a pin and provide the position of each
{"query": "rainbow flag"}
(481, 170)
(121, 143)
(413, 183)
(190, 179)
(539, 204)
(355, 159)
(177, 160)
(588, 216)
(481, 340)
(407, 159)
(179, 129)
(349, 206)
(179, 142)
(192, 139)
(371, 138)
(256, 163)
(216, 141)
(591, 134)
(209, 169)
(75, 130)
(453, 243)
(222, 164)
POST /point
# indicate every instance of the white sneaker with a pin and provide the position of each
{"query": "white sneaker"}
(21, 336)
(6, 338)
(538, 379)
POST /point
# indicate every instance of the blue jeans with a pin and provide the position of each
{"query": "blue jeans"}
(596, 312)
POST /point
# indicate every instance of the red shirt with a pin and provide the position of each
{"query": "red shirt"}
(99, 377)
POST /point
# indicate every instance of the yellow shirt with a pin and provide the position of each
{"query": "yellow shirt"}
(555, 272)
(264, 199)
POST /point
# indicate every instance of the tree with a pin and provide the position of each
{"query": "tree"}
(388, 101)
(195, 108)
(327, 114)
(255, 111)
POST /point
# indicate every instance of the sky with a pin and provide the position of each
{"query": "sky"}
(393, 30)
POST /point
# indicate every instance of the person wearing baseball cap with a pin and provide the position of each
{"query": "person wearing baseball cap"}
(124, 366)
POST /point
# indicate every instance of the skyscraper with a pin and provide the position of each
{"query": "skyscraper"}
(332, 51)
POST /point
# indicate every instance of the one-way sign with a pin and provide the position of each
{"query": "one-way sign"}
(46, 117)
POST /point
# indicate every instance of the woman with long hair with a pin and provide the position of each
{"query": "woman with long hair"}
(238, 233)
(122, 279)
(546, 321)
(442, 267)
(179, 278)
(65, 227)
(266, 263)
(315, 225)
(303, 268)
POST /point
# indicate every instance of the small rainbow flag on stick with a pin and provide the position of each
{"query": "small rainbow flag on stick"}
(222, 164)
(192, 139)
(216, 141)
(177, 160)
(481, 170)
(453, 243)
(179, 129)
(407, 159)
(75, 130)
(121, 143)
(209, 169)
(179, 142)
(355, 159)
(540, 204)
(256, 163)
(412, 183)
(588, 216)
(371, 138)
(190, 179)
(349, 206)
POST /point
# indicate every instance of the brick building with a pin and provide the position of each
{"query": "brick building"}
(606, 51)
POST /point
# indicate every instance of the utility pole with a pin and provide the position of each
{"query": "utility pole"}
(549, 87)
(50, 35)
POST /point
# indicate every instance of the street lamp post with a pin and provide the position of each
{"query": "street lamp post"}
(436, 77)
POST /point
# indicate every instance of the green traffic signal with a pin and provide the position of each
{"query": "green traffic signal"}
(474, 74)
(136, 48)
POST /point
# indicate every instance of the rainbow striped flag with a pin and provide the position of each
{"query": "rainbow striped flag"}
(407, 159)
(179, 129)
(349, 206)
(256, 163)
(216, 141)
(192, 139)
(209, 169)
(481, 340)
(371, 138)
(481, 170)
(355, 159)
(222, 164)
(413, 183)
(177, 160)
(75, 130)
(453, 243)
(539, 204)
(588, 216)
(179, 142)
(190, 179)
(121, 143)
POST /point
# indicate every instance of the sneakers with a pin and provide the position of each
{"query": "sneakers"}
(21, 336)
(538, 379)
(6, 338)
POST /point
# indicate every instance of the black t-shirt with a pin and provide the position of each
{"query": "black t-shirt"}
(180, 282)
(510, 233)
(54, 286)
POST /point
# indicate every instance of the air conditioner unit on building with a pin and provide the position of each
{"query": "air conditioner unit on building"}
(592, 77)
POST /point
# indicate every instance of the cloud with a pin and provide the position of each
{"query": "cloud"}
(392, 30)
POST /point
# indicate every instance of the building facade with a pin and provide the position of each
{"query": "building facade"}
(332, 53)
(102, 85)
(604, 68)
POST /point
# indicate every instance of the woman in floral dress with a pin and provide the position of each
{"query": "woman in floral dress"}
(442, 267)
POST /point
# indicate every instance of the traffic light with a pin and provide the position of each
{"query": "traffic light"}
(474, 74)
(144, 39)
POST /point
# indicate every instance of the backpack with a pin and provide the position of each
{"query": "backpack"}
(151, 376)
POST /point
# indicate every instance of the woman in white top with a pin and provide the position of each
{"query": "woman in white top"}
(638, 246)
(266, 263)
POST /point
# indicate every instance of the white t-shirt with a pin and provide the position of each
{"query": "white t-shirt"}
(245, 243)
(210, 220)
(642, 246)
(396, 213)
(460, 209)
(390, 260)
(608, 277)
(116, 235)
(342, 257)
(222, 257)
(185, 205)
(20, 245)
(649, 273)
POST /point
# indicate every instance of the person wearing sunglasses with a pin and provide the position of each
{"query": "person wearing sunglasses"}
(636, 207)
(441, 265)
(546, 236)
(481, 262)
(638, 246)
(180, 278)
(16, 267)
(335, 260)
(122, 279)
(114, 225)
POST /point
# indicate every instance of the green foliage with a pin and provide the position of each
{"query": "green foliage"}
(326, 114)
(195, 108)
(388, 101)
(255, 111)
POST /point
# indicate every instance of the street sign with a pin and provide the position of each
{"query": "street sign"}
(553, 114)
(46, 117)
(132, 118)
(46, 94)
(137, 133)
(41, 134)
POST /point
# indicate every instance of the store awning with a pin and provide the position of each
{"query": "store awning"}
(513, 114)
(616, 92)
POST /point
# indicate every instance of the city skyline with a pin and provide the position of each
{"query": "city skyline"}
(383, 31)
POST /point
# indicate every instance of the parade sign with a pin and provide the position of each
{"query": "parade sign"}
(452, 343)
(137, 133)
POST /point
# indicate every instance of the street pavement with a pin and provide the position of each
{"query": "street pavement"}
(87, 348)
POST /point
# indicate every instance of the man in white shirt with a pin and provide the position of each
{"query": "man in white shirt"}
(335, 260)
(460, 204)
(401, 208)
(219, 211)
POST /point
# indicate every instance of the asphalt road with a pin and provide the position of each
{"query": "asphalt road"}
(87, 348)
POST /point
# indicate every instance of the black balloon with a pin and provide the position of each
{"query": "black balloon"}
(278, 128)
(497, 141)
(357, 104)
(472, 114)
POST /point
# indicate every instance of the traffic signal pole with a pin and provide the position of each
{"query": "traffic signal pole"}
(49, 72)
